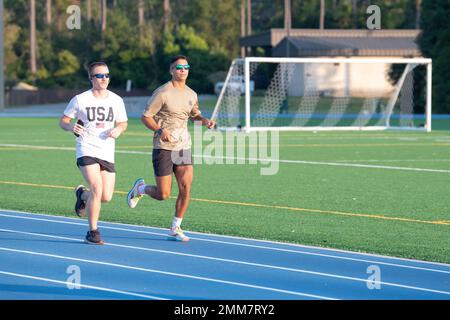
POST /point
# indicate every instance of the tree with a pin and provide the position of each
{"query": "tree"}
(243, 32)
(322, 14)
(67, 64)
(249, 17)
(89, 9)
(418, 13)
(141, 17)
(270, 14)
(141, 35)
(166, 16)
(33, 63)
(48, 9)
(218, 23)
(305, 14)
(11, 35)
(104, 11)
(435, 44)
(354, 10)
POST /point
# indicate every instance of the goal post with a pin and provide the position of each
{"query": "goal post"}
(358, 93)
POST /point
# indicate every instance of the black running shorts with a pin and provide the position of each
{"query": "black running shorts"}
(165, 161)
(104, 165)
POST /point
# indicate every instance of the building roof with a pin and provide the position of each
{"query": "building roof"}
(24, 86)
(337, 42)
(329, 47)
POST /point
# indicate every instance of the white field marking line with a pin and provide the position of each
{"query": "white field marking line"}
(85, 286)
(262, 160)
(355, 165)
(242, 245)
(224, 260)
(37, 147)
(65, 148)
(398, 160)
(366, 137)
(144, 137)
(241, 239)
(168, 273)
(45, 140)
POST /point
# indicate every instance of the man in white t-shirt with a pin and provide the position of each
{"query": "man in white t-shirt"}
(101, 118)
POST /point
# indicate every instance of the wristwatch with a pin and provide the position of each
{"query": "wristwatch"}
(159, 131)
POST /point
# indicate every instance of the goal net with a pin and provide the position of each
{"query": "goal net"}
(325, 94)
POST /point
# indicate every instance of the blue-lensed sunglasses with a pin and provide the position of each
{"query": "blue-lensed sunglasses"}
(181, 66)
(101, 75)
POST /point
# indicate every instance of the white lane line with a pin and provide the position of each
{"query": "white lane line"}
(263, 160)
(85, 286)
(278, 243)
(238, 262)
(250, 246)
(181, 275)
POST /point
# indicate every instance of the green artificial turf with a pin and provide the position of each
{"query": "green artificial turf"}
(320, 198)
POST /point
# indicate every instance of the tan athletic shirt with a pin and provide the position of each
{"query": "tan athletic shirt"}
(171, 108)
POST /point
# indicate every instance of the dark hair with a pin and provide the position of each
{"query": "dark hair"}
(180, 56)
(93, 65)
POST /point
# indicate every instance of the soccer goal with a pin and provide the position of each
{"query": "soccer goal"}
(261, 93)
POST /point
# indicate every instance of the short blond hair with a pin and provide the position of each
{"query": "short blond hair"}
(93, 65)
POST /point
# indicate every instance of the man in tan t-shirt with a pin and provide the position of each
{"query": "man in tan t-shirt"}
(167, 113)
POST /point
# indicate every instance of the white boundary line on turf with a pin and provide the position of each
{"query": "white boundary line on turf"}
(85, 286)
(314, 273)
(335, 164)
(248, 245)
(398, 160)
(181, 275)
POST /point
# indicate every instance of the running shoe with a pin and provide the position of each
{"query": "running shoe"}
(93, 237)
(134, 196)
(176, 234)
(80, 205)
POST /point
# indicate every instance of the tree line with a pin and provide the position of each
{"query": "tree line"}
(138, 37)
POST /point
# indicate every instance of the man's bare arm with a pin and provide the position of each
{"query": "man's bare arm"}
(119, 129)
(205, 121)
(151, 124)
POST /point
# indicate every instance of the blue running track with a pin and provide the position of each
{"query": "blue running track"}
(43, 257)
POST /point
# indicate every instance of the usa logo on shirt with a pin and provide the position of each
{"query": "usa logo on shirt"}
(100, 125)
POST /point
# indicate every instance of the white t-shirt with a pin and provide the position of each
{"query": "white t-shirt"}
(99, 117)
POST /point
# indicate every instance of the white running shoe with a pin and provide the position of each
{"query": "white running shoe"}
(134, 196)
(176, 234)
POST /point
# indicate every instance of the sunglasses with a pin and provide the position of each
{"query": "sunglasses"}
(101, 75)
(180, 66)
